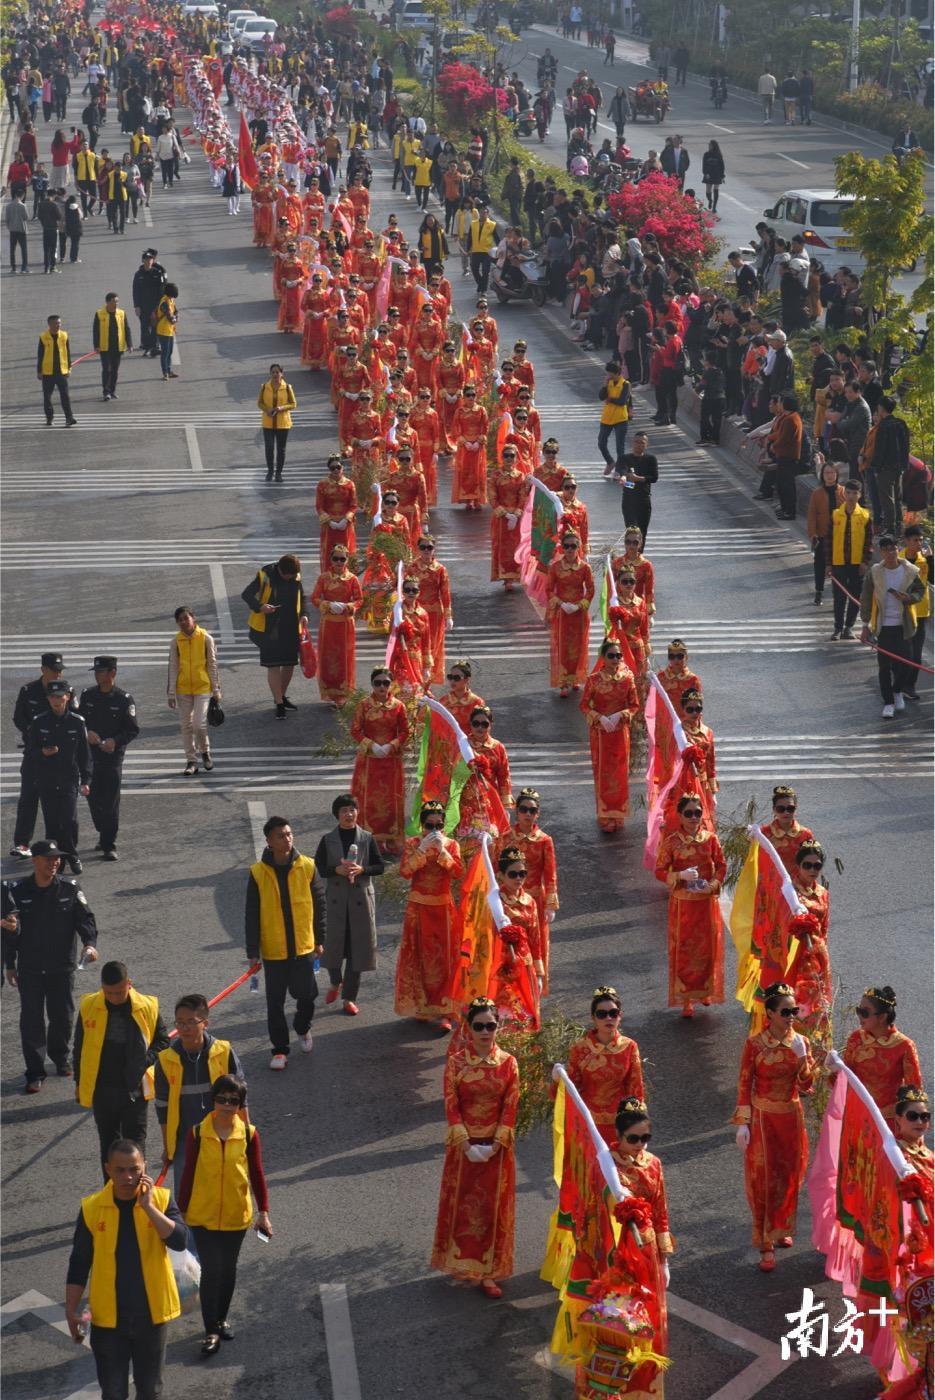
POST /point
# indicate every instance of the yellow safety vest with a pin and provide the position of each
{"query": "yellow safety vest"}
(103, 320)
(482, 236)
(117, 184)
(423, 171)
(85, 165)
(613, 412)
(285, 398)
(193, 664)
(164, 310)
(93, 1012)
(272, 924)
(101, 1216)
(924, 607)
(859, 522)
(220, 1198)
(48, 351)
(218, 1060)
(256, 621)
(139, 143)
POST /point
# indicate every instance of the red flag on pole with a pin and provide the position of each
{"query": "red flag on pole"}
(245, 157)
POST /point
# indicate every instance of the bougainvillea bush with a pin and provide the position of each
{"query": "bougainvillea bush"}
(657, 206)
(467, 93)
(341, 20)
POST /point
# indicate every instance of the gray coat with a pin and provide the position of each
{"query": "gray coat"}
(350, 906)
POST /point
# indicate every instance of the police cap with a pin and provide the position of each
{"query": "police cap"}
(52, 661)
(104, 663)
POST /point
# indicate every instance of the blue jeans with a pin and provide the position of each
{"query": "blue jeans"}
(619, 431)
(165, 352)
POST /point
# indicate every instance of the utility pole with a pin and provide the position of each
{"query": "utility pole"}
(854, 54)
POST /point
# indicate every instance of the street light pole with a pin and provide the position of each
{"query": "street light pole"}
(854, 56)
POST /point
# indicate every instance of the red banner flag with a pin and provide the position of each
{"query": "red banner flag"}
(245, 157)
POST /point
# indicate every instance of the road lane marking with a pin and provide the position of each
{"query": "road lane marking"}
(740, 204)
(793, 161)
(222, 606)
(339, 1342)
(729, 129)
(257, 814)
(194, 451)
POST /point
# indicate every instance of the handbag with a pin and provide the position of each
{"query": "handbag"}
(308, 657)
(215, 713)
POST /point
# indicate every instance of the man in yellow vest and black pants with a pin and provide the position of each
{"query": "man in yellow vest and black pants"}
(193, 679)
(116, 187)
(110, 335)
(285, 926)
(481, 242)
(53, 366)
(118, 1036)
(184, 1074)
(121, 1240)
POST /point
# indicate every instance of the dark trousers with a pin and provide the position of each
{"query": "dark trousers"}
(888, 483)
(787, 469)
(480, 271)
(147, 330)
(845, 612)
(27, 809)
(61, 99)
(451, 208)
(915, 650)
(60, 815)
(712, 415)
(59, 382)
(275, 438)
(422, 196)
(88, 192)
(297, 977)
(46, 997)
(821, 564)
(637, 508)
(619, 431)
(681, 74)
(73, 240)
(168, 172)
(893, 673)
(116, 1115)
(670, 394)
(117, 214)
(104, 797)
(49, 247)
(110, 368)
(218, 1251)
(18, 240)
(349, 978)
(135, 1343)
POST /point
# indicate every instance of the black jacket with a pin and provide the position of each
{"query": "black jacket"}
(112, 716)
(148, 285)
(50, 920)
(72, 764)
(712, 168)
(891, 444)
(51, 215)
(31, 703)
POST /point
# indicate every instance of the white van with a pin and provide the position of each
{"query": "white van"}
(815, 215)
(234, 15)
(254, 31)
(414, 15)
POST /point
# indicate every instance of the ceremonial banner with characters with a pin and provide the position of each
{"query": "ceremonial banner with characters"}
(538, 532)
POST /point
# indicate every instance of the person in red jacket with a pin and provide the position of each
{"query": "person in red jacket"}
(670, 376)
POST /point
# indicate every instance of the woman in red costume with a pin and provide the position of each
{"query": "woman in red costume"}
(517, 970)
(409, 483)
(289, 207)
(473, 816)
(469, 433)
(605, 1065)
(784, 831)
(365, 438)
(435, 597)
(690, 861)
(538, 851)
(702, 737)
(491, 330)
(575, 517)
(809, 975)
(609, 703)
(418, 640)
(675, 677)
(262, 200)
(551, 472)
(570, 589)
(477, 1202)
(428, 950)
(507, 489)
(336, 506)
(315, 308)
(425, 345)
(380, 730)
(481, 357)
(524, 442)
(292, 283)
(522, 366)
(776, 1068)
(424, 422)
(281, 240)
(880, 1055)
(394, 524)
(461, 700)
(338, 597)
(629, 623)
(451, 379)
(633, 559)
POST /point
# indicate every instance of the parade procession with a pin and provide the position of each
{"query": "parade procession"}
(524, 987)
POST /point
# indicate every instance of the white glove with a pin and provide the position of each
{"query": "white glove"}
(666, 1275)
(742, 1137)
(379, 750)
(690, 874)
(449, 623)
(338, 524)
(798, 1047)
(511, 520)
(550, 915)
(569, 608)
(484, 1152)
(607, 723)
(336, 607)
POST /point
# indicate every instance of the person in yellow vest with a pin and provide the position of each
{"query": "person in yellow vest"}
(411, 148)
(916, 554)
(116, 190)
(423, 178)
(85, 163)
(165, 320)
(276, 400)
(140, 142)
(615, 415)
(278, 610)
(53, 366)
(117, 1038)
(285, 926)
(193, 680)
(482, 237)
(121, 1240)
(222, 1166)
(110, 335)
(185, 1071)
(851, 553)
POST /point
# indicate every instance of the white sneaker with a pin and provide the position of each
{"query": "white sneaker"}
(898, 702)
(888, 711)
(279, 1062)
(306, 1042)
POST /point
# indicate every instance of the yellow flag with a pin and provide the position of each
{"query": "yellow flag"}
(741, 929)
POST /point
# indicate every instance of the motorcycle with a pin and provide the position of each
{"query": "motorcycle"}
(529, 286)
(525, 123)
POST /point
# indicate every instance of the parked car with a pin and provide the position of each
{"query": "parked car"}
(815, 215)
(414, 15)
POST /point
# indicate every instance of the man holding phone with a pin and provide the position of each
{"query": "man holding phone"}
(133, 1294)
(887, 609)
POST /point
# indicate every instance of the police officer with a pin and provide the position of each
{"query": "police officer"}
(41, 917)
(110, 715)
(58, 760)
(148, 283)
(31, 702)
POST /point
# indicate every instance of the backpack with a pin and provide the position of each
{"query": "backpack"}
(806, 462)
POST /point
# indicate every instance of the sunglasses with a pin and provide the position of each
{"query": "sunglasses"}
(516, 874)
(692, 813)
(613, 656)
(530, 811)
(676, 656)
(427, 548)
(229, 1100)
(789, 1011)
(339, 558)
(628, 582)
(693, 709)
(811, 864)
(607, 1015)
(433, 826)
(570, 546)
(864, 1011)
(379, 685)
(913, 1116)
(779, 807)
(634, 1138)
(480, 723)
(410, 592)
(550, 451)
(509, 456)
(484, 1026)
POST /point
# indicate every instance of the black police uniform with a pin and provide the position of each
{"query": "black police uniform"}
(57, 776)
(42, 952)
(148, 286)
(31, 702)
(111, 716)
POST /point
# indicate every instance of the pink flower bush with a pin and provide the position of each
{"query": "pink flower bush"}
(467, 93)
(657, 206)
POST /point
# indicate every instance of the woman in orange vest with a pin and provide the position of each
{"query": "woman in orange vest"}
(222, 1166)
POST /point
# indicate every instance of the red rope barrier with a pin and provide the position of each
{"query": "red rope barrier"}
(906, 661)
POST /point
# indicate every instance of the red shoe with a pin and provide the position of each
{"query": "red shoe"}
(785, 1242)
(351, 1009)
(333, 994)
(767, 1261)
(491, 1288)
(688, 1011)
(706, 1001)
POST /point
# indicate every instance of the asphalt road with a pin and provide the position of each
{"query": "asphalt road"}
(159, 499)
